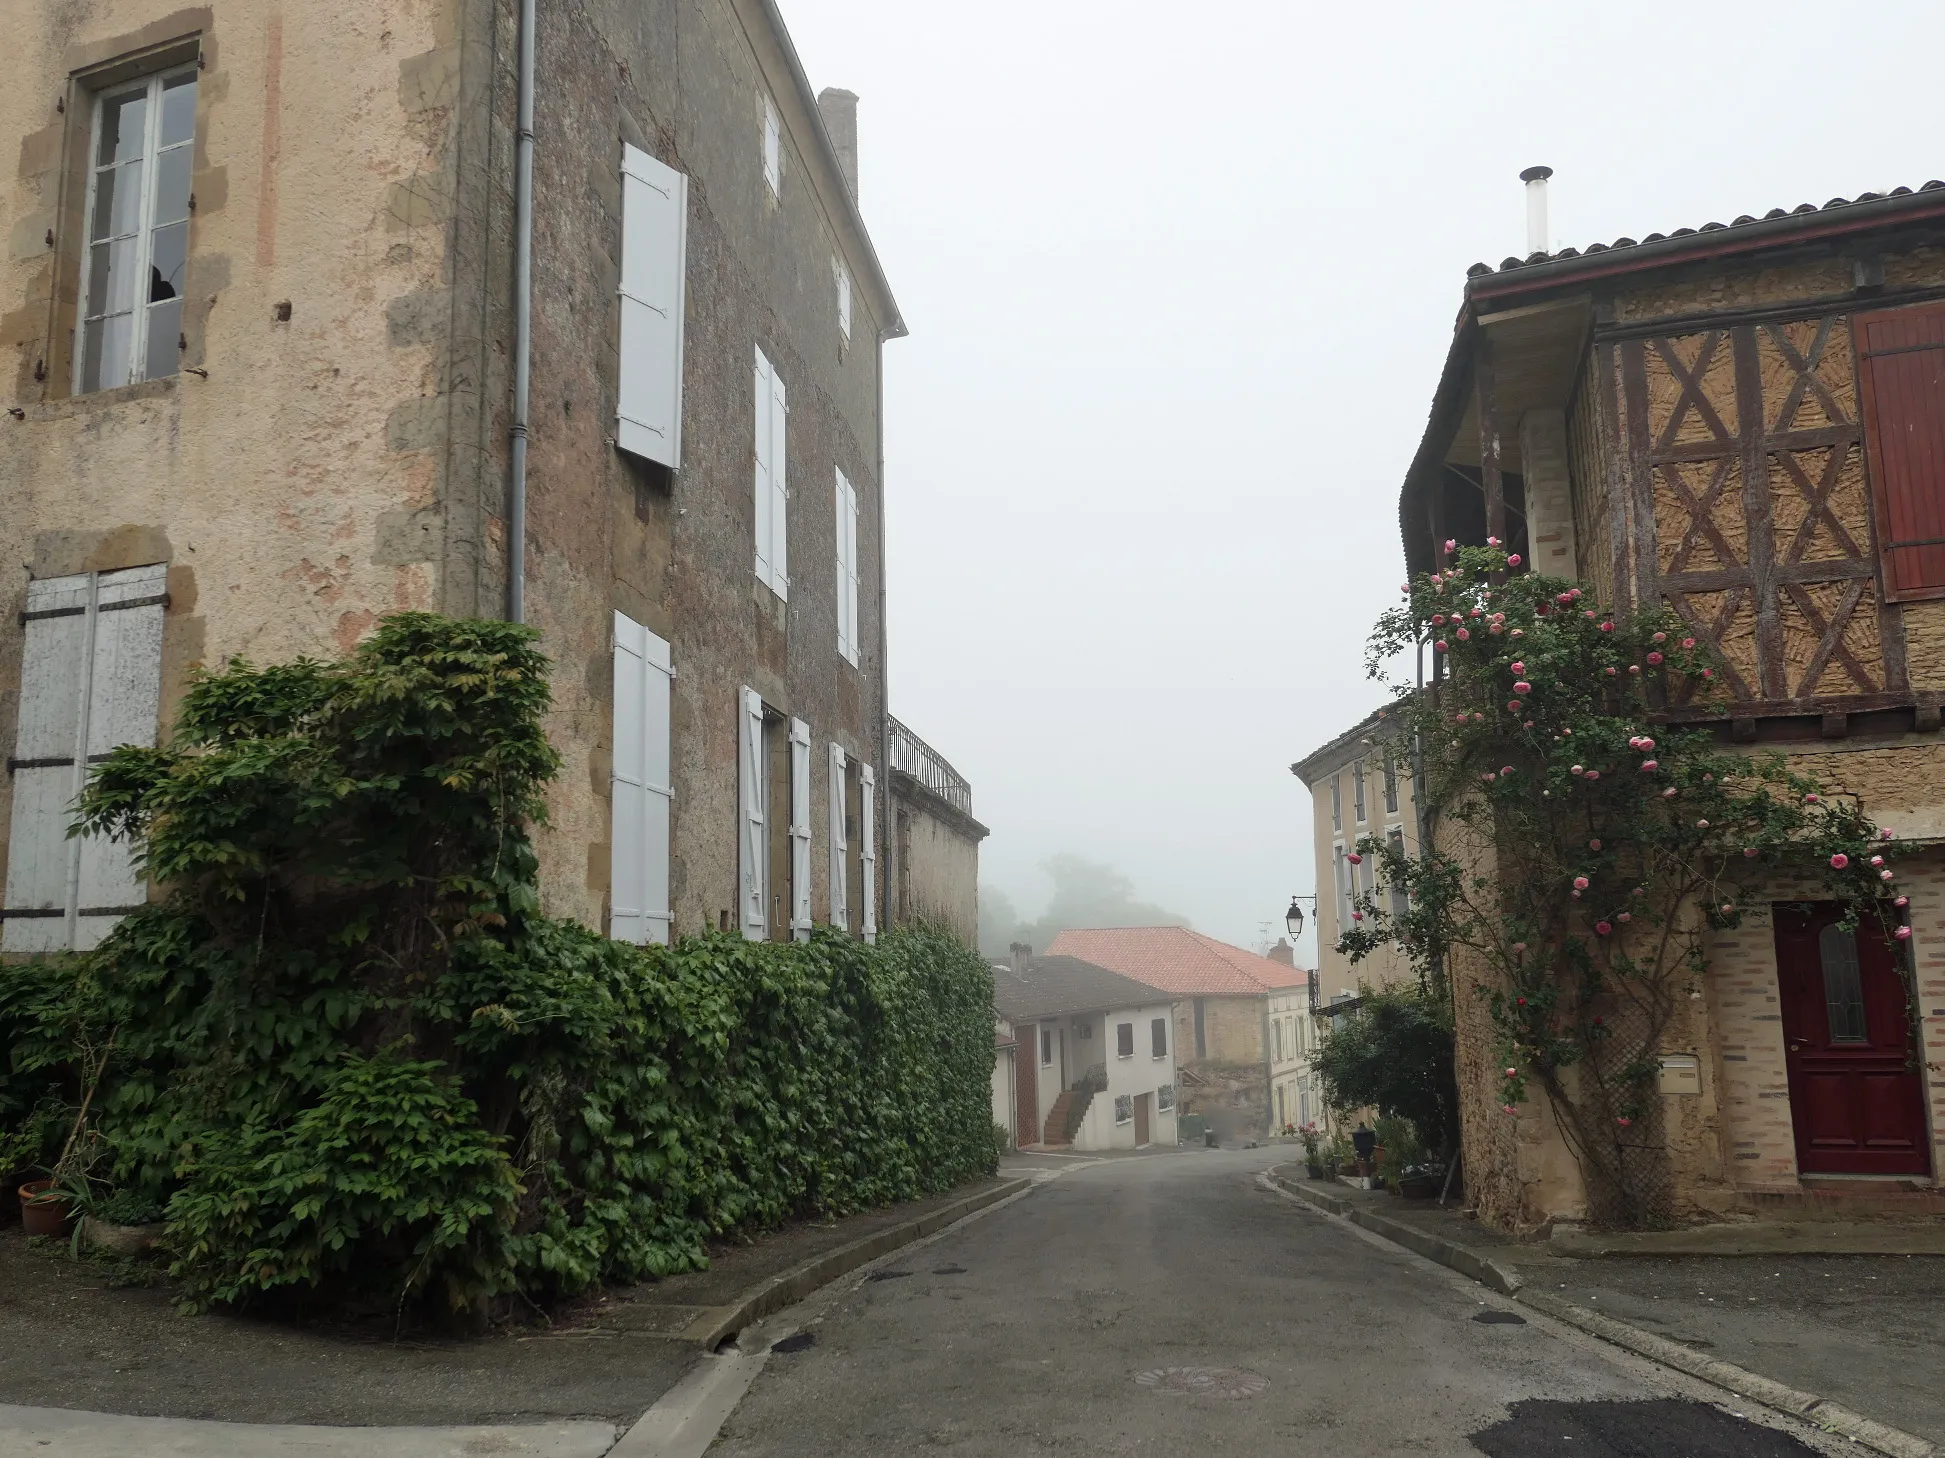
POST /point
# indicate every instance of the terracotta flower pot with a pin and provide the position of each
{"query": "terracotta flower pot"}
(42, 1210)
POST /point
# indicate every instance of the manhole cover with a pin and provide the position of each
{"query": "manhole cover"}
(1500, 1318)
(1204, 1381)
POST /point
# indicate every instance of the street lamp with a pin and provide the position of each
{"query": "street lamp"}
(1293, 918)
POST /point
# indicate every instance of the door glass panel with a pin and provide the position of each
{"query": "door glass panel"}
(104, 352)
(123, 119)
(1843, 985)
(111, 276)
(178, 108)
(171, 248)
(118, 201)
(165, 331)
(172, 185)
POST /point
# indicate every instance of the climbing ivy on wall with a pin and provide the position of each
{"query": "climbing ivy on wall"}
(352, 1058)
(1585, 848)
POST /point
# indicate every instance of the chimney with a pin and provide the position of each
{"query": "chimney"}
(1283, 952)
(839, 108)
(1535, 179)
(1018, 953)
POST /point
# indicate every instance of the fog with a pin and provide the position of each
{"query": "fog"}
(1179, 282)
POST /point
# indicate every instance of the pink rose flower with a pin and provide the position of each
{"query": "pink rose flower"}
(1519, 946)
(1440, 645)
(1593, 774)
(1464, 634)
(1517, 667)
(1576, 770)
(1607, 627)
(1517, 633)
(1355, 859)
(1708, 673)
(1661, 638)
(1624, 1121)
(1512, 1073)
(1580, 883)
(1750, 851)
(1649, 766)
(1634, 668)
(1688, 642)
(1593, 845)
(1513, 560)
(1603, 928)
(1492, 541)
(1902, 901)
(1610, 671)
(1877, 860)
(1839, 861)
(1522, 687)
(1886, 875)
(1451, 544)
(1701, 825)
(1884, 835)
(1654, 658)
(1669, 793)
(1903, 933)
(1811, 799)
(1438, 620)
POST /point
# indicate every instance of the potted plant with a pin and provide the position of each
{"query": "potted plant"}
(122, 1222)
(1313, 1143)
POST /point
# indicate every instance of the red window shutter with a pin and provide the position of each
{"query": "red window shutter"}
(1901, 360)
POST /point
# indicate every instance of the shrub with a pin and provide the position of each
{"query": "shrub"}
(1395, 1055)
(354, 1060)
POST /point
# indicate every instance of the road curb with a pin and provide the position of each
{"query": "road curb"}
(1819, 1411)
(718, 1322)
(1486, 1271)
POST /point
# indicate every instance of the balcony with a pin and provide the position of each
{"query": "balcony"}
(913, 756)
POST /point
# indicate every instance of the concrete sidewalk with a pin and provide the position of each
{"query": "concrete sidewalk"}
(1835, 1335)
(98, 1372)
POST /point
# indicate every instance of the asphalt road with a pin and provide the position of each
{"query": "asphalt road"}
(1051, 1325)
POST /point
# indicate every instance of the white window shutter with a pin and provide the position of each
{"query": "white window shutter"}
(843, 276)
(772, 148)
(91, 679)
(641, 790)
(654, 272)
(800, 830)
(840, 845)
(754, 857)
(868, 859)
(779, 487)
(850, 588)
(765, 498)
(845, 647)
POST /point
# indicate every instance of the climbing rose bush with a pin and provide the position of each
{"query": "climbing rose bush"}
(1585, 848)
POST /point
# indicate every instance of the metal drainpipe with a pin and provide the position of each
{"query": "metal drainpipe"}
(523, 268)
(885, 851)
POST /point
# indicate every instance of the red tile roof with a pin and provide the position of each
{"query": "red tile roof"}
(1178, 961)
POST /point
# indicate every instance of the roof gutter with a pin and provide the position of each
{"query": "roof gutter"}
(523, 324)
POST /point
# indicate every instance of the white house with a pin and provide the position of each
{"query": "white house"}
(1094, 1055)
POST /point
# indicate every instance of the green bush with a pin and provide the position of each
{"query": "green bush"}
(1395, 1056)
(353, 1060)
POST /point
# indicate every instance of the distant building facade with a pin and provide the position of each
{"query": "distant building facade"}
(934, 840)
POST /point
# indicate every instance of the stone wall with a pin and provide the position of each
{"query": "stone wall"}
(935, 861)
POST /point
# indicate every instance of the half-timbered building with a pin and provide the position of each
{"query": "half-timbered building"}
(1745, 422)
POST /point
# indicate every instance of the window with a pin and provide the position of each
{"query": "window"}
(840, 841)
(1843, 985)
(1046, 1047)
(772, 148)
(1357, 790)
(639, 787)
(654, 270)
(1400, 902)
(1277, 1027)
(772, 492)
(847, 570)
(868, 857)
(90, 679)
(1124, 1040)
(1201, 1043)
(1390, 785)
(1345, 891)
(842, 277)
(1336, 804)
(1124, 1108)
(1280, 1119)
(1158, 1038)
(137, 231)
(1165, 1097)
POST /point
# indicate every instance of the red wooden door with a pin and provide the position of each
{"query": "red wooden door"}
(1855, 1096)
(1026, 1082)
(1141, 1119)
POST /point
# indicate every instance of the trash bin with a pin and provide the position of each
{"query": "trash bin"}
(1209, 1139)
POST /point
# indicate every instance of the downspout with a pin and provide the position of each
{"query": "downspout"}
(523, 269)
(886, 851)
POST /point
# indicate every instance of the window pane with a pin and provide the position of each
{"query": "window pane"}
(111, 277)
(172, 185)
(118, 201)
(123, 119)
(1843, 985)
(178, 108)
(165, 330)
(171, 251)
(104, 352)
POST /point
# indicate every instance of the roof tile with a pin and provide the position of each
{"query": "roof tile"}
(1179, 961)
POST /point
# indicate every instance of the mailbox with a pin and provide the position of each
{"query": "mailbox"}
(1681, 1073)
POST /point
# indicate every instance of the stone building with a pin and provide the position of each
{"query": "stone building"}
(1360, 787)
(1230, 1008)
(1745, 422)
(934, 840)
(268, 380)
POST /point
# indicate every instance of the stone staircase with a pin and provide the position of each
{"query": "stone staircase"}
(1065, 1116)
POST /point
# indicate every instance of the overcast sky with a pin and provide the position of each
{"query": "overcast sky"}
(1180, 280)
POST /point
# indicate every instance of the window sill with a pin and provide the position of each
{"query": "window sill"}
(69, 406)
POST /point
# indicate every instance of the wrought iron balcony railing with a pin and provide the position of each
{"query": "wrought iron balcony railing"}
(925, 764)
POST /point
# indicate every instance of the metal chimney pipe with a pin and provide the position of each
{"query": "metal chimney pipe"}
(1535, 179)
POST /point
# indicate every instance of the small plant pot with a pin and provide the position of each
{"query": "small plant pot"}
(125, 1240)
(43, 1211)
(1418, 1187)
(1314, 1170)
